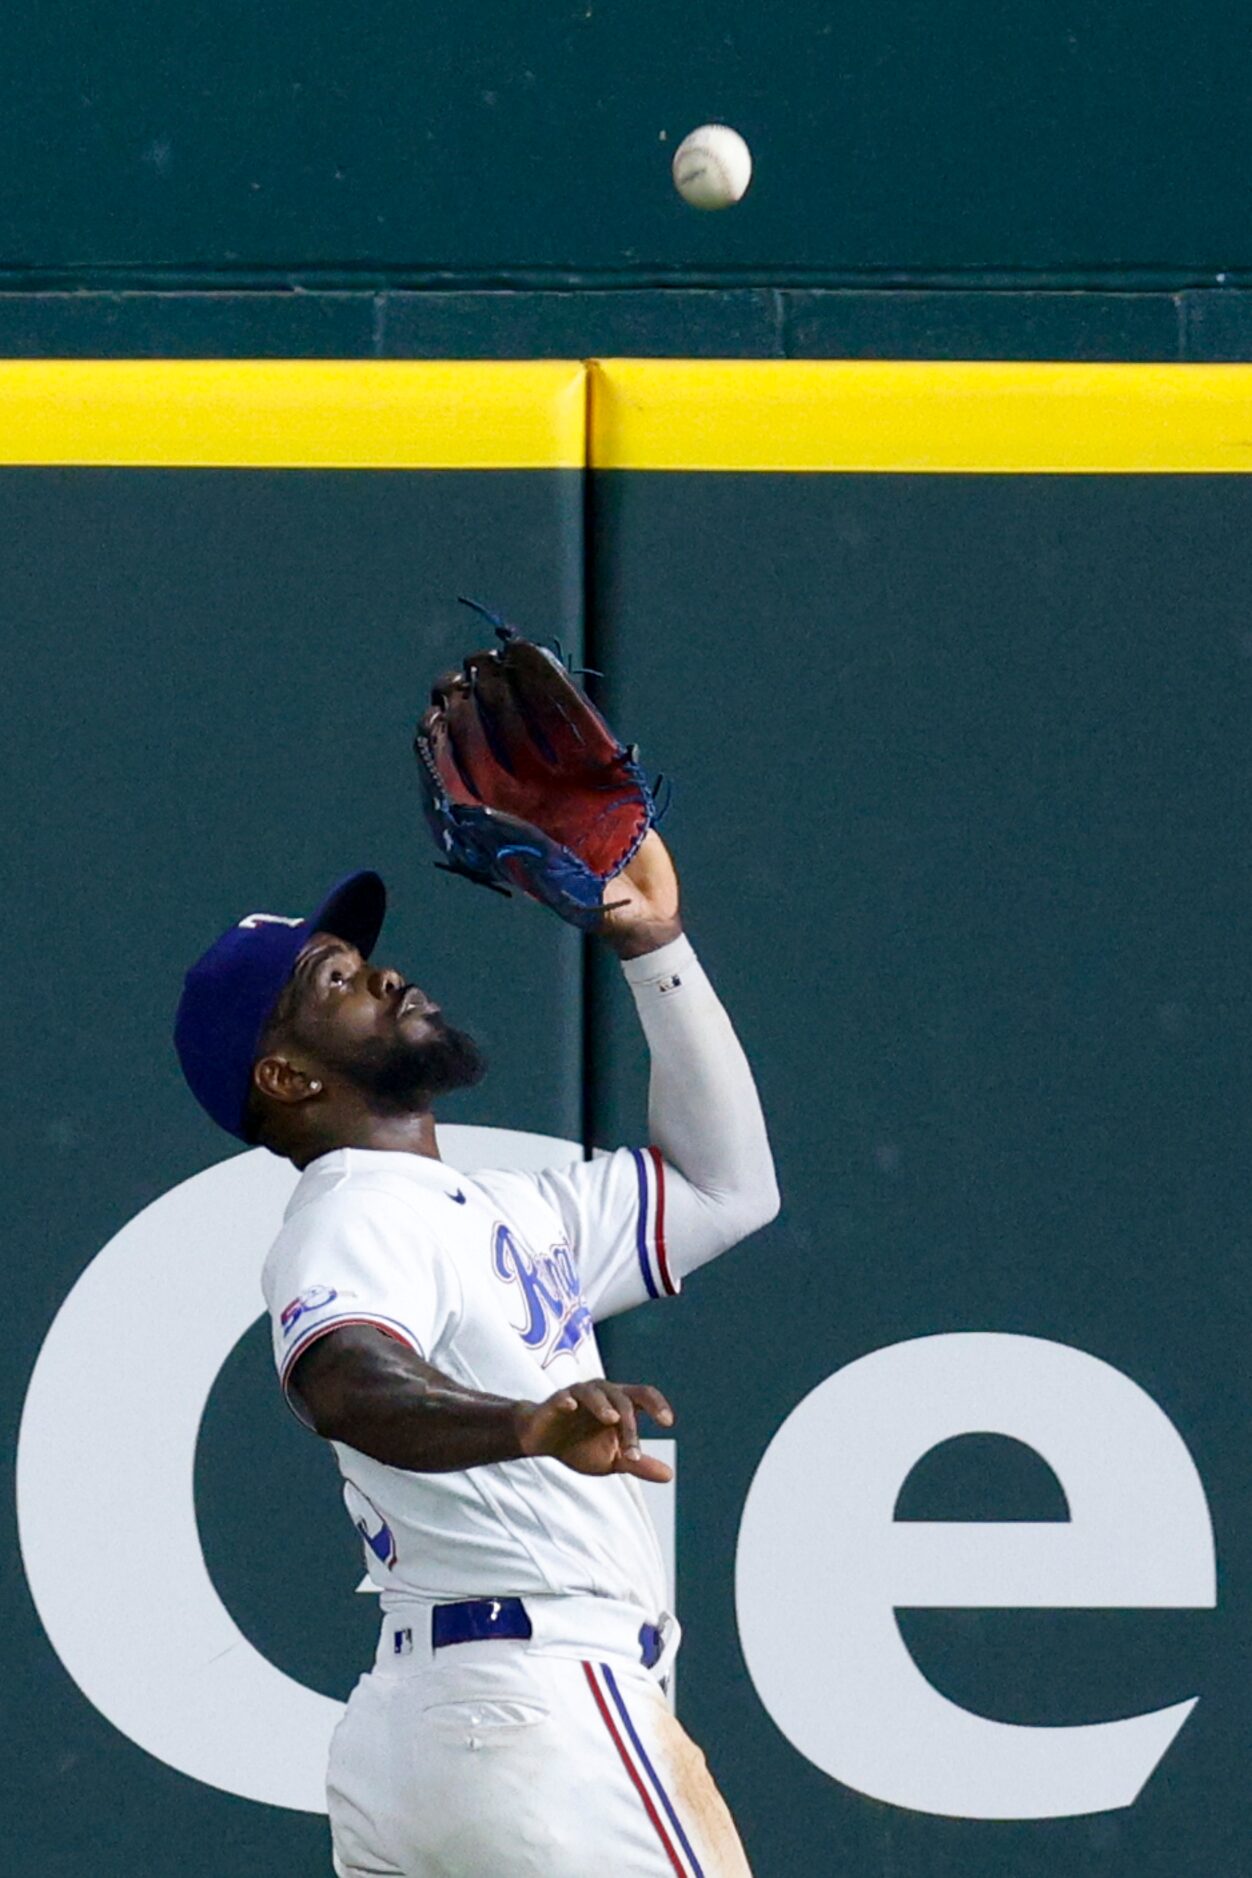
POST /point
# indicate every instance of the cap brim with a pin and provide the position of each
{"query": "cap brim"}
(354, 910)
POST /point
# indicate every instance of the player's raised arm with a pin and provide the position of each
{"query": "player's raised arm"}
(704, 1114)
(375, 1394)
(528, 789)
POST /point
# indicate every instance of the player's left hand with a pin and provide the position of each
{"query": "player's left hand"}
(592, 1427)
(526, 788)
(641, 903)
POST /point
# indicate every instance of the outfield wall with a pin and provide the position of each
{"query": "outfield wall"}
(949, 664)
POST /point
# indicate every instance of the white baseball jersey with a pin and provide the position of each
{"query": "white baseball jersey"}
(497, 1280)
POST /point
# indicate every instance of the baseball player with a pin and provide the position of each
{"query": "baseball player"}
(438, 1329)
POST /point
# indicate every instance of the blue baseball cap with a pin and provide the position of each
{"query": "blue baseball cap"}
(230, 992)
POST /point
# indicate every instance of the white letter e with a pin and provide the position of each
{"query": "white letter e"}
(823, 1565)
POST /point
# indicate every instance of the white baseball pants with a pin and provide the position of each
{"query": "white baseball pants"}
(501, 1760)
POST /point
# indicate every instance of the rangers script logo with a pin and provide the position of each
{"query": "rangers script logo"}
(556, 1317)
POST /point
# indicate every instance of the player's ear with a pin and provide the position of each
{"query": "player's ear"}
(283, 1081)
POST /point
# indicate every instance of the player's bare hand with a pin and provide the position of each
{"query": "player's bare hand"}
(593, 1427)
(641, 903)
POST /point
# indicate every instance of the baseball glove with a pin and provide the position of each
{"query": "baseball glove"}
(525, 785)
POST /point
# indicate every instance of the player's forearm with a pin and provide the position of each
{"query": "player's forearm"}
(704, 1113)
(377, 1396)
(365, 1389)
(430, 1429)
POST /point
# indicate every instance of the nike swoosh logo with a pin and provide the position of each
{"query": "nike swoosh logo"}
(458, 1196)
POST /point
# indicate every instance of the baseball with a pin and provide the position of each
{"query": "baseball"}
(712, 167)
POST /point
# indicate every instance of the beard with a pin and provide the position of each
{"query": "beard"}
(401, 1078)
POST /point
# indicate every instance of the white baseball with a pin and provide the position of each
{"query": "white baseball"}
(712, 167)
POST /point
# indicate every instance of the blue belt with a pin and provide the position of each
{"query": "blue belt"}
(479, 1620)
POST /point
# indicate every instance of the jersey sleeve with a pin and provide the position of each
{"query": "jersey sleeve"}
(614, 1212)
(357, 1258)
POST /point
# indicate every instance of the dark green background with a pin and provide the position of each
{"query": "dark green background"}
(894, 140)
(962, 815)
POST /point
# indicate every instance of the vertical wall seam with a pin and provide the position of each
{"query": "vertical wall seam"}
(780, 304)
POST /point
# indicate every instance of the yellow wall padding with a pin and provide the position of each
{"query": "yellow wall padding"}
(644, 414)
(687, 414)
(286, 414)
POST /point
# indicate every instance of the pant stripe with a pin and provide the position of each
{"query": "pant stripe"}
(671, 1850)
(640, 1750)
